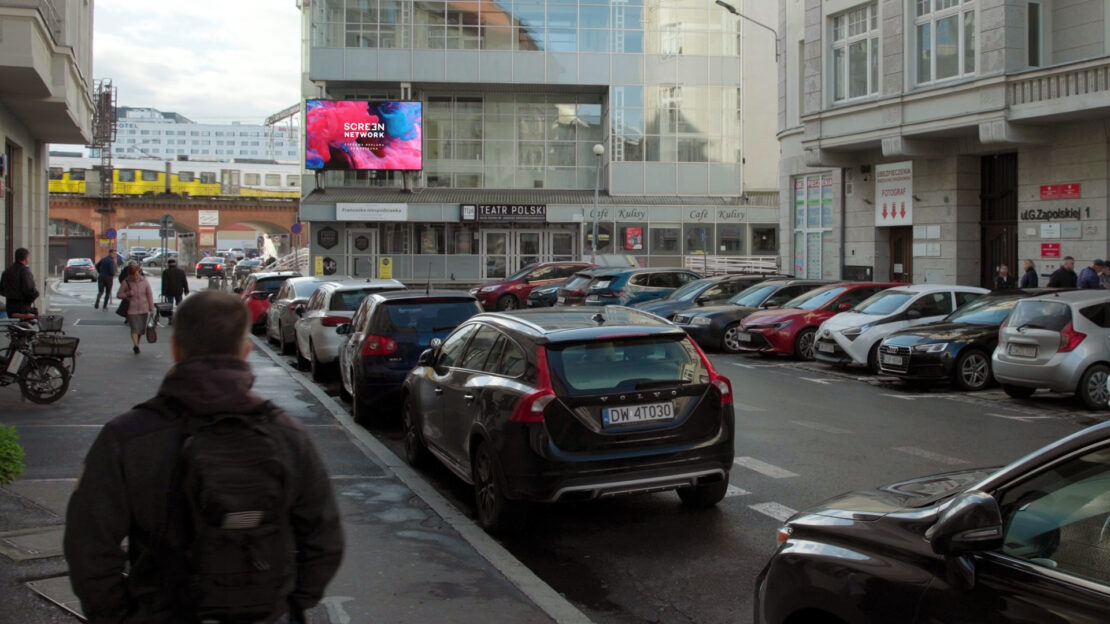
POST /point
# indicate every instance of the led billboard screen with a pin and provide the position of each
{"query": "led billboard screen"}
(363, 135)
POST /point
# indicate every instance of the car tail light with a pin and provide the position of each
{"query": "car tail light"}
(219, 266)
(577, 293)
(531, 406)
(198, 266)
(717, 380)
(378, 345)
(784, 533)
(333, 321)
(1069, 339)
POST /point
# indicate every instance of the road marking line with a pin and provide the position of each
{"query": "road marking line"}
(775, 510)
(1021, 418)
(747, 407)
(900, 396)
(937, 457)
(823, 382)
(820, 426)
(735, 491)
(763, 468)
(748, 366)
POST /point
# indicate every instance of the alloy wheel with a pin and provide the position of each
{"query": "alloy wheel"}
(731, 340)
(806, 343)
(1096, 387)
(487, 494)
(974, 371)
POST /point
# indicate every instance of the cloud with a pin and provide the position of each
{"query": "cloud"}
(213, 61)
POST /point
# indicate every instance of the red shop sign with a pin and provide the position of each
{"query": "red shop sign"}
(1061, 191)
(1050, 250)
(1070, 191)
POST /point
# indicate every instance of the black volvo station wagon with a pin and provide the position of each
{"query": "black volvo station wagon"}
(563, 404)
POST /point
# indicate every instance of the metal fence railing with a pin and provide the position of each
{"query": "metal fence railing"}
(718, 265)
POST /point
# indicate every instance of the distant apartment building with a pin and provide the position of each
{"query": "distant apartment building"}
(934, 140)
(679, 95)
(150, 133)
(45, 80)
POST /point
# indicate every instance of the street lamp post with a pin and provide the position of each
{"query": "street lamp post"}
(731, 9)
(599, 151)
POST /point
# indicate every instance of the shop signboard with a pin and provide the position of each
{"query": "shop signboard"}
(894, 194)
(208, 217)
(371, 212)
(1050, 250)
(1072, 190)
(510, 212)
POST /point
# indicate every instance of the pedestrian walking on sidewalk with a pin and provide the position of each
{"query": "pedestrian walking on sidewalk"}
(148, 478)
(1064, 277)
(175, 284)
(1004, 281)
(17, 285)
(1029, 277)
(140, 302)
(106, 270)
(1089, 277)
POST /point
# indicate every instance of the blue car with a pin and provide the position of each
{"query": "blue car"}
(544, 296)
(629, 286)
(706, 291)
(385, 338)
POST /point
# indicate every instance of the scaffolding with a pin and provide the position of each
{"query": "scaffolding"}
(104, 135)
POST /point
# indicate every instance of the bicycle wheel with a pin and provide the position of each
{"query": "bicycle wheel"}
(43, 380)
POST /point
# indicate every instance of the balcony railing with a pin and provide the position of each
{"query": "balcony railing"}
(1058, 82)
(46, 9)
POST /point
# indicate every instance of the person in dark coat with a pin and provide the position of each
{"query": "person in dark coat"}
(106, 270)
(125, 490)
(1004, 281)
(1064, 277)
(17, 285)
(1089, 277)
(175, 284)
(1029, 277)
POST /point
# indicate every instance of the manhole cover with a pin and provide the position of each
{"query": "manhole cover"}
(104, 322)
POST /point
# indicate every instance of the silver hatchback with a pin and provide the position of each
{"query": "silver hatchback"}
(1060, 342)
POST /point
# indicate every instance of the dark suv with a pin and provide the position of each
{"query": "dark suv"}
(570, 404)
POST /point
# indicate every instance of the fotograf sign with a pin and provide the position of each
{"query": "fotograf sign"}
(511, 212)
(371, 212)
(894, 194)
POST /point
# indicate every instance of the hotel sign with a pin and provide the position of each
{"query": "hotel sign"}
(504, 212)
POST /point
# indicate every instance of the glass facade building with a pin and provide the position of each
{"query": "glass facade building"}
(515, 96)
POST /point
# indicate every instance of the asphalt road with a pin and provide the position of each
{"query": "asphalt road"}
(804, 433)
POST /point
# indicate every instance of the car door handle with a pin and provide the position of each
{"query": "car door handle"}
(468, 397)
(438, 390)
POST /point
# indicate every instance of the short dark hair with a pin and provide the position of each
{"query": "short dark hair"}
(21, 254)
(1068, 258)
(111, 251)
(211, 322)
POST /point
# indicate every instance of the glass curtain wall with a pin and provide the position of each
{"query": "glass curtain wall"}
(675, 123)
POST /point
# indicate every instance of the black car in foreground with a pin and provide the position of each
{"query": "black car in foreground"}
(1027, 543)
(718, 326)
(570, 404)
(957, 348)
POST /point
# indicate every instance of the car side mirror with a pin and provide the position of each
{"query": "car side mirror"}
(343, 329)
(238, 291)
(971, 523)
(427, 357)
(272, 296)
(299, 310)
(913, 314)
(701, 300)
(844, 307)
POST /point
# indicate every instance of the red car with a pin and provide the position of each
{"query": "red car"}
(512, 292)
(792, 328)
(256, 293)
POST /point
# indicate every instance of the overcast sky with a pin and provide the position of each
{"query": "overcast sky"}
(213, 61)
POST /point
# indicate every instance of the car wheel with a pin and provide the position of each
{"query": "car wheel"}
(804, 344)
(315, 366)
(973, 370)
(496, 513)
(270, 337)
(65, 280)
(1092, 387)
(416, 452)
(729, 341)
(873, 359)
(287, 346)
(343, 394)
(507, 302)
(702, 496)
(302, 361)
(1018, 392)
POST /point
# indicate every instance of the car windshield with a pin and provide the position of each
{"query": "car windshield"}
(1034, 314)
(425, 316)
(883, 302)
(625, 364)
(689, 291)
(305, 288)
(986, 311)
(754, 295)
(815, 299)
(519, 275)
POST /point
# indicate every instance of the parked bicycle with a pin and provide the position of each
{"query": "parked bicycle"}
(35, 361)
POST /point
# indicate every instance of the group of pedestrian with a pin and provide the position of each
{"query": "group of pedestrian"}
(135, 292)
(1095, 276)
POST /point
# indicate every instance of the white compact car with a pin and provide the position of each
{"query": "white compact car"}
(331, 305)
(853, 337)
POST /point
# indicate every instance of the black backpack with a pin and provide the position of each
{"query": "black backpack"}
(236, 472)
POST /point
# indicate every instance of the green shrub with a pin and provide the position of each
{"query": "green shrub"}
(11, 455)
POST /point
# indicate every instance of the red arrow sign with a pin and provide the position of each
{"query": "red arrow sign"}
(903, 210)
(884, 211)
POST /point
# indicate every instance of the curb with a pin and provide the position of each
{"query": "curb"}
(540, 593)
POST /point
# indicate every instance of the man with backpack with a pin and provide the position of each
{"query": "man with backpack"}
(228, 511)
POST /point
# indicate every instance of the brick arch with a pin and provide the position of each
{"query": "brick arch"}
(277, 215)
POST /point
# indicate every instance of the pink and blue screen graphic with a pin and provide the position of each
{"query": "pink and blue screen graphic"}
(363, 135)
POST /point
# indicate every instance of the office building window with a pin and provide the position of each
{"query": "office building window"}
(944, 39)
(1034, 25)
(855, 53)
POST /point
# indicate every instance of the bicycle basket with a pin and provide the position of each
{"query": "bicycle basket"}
(51, 322)
(56, 346)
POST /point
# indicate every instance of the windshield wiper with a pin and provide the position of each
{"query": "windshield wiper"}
(655, 383)
(1030, 326)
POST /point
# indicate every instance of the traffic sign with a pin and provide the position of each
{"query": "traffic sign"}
(110, 233)
(167, 221)
(295, 228)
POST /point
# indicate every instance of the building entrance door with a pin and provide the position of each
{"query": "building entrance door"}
(998, 216)
(529, 248)
(495, 253)
(362, 253)
(562, 246)
(901, 254)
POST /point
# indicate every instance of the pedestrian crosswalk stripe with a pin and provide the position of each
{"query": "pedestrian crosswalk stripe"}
(937, 457)
(735, 491)
(764, 468)
(775, 510)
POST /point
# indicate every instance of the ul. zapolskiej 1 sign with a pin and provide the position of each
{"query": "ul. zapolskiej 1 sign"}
(894, 194)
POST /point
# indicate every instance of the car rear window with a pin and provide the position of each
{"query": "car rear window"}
(422, 316)
(578, 281)
(625, 364)
(1050, 315)
(304, 289)
(269, 284)
(348, 300)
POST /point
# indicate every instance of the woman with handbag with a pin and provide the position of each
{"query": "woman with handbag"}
(138, 294)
